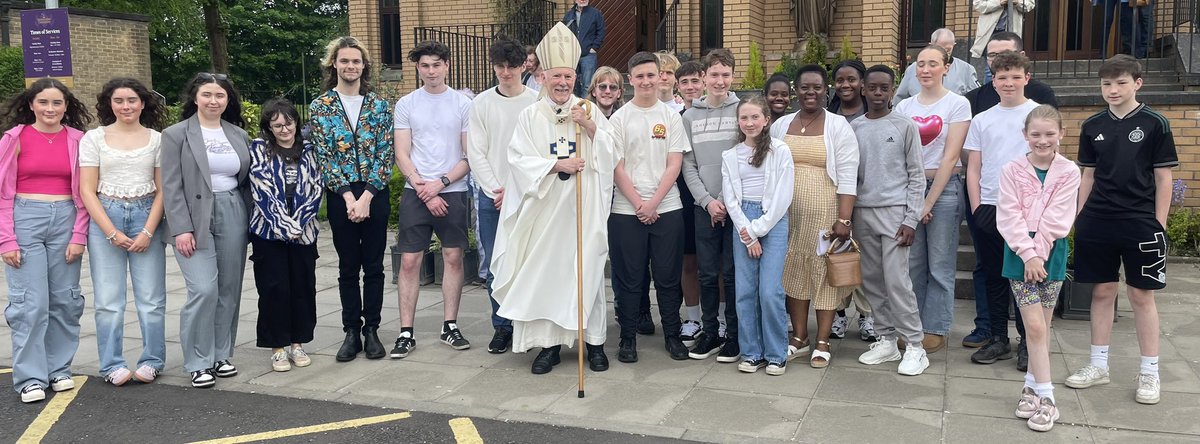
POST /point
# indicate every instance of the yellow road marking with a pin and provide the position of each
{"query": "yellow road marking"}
(5, 370)
(464, 431)
(330, 426)
(54, 409)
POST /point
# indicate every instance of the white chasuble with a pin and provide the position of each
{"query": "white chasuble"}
(535, 259)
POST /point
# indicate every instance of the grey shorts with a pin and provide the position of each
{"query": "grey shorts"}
(417, 224)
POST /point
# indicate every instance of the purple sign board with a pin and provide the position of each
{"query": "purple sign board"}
(46, 39)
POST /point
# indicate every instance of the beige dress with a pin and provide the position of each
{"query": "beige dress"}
(814, 208)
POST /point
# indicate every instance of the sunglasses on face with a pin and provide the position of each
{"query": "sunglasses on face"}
(607, 87)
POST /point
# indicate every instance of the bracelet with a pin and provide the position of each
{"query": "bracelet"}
(111, 236)
(147, 233)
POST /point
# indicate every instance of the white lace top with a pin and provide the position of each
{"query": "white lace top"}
(123, 173)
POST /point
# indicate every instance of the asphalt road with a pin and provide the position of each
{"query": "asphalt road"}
(161, 413)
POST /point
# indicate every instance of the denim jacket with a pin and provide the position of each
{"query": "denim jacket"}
(589, 30)
(347, 156)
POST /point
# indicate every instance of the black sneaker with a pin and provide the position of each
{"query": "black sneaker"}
(224, 369)
(203, 379)
(708, 345)
(454, 338)
(628, 350)
(500, 342)
(676, 349)
(404, 346)
(1022, 356)
(645, 324)
(690, 332)
(730, 352)
(996, 349)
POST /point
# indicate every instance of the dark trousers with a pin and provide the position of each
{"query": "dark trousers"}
(989, 248)
(285, 275)
(632, 247)
(714, 254)
(360, 248)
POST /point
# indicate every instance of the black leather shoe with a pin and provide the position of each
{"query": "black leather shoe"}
(676, 349)
(371, 345)
(597, 360)
(628, 350)
(1022, 356)
(350, 347)
(546, 360)
(645, 324)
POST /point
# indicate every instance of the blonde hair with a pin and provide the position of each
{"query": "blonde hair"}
(1045, 112)
(606, 73)
(667, 61)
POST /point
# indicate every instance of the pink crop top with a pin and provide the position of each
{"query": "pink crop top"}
(43, 164)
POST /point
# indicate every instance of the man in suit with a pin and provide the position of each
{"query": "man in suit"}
(588, 25)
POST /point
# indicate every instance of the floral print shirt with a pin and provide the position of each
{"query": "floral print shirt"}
(362, 153)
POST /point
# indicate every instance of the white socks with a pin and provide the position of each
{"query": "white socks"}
(693, 312)
(1100, 356)
(1044, 390)
(1030, 382)
(721, 313)
(1149, 365)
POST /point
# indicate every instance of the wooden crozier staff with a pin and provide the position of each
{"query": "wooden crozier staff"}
(587, 110)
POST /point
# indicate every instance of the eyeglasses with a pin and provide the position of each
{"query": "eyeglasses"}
(281, 127)
(607, 87)
(211, 76)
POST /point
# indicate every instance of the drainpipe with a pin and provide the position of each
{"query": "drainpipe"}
(4, 25)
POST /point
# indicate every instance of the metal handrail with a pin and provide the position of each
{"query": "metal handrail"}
(666, 33)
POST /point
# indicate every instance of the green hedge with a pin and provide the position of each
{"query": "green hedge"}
(12, 72)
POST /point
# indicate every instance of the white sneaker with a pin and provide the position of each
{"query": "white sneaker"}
(1087, 376)
(299, 357)
(32, 393)
(689, 332)
(119, 376)
(62, 383)
(866, 328)
(881, 351)
(280, 362)
(1148, 389)
(839, 327)
(914, 363)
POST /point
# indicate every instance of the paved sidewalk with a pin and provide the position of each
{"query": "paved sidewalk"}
(954, 401)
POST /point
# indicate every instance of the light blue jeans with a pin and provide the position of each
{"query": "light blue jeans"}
(932, 260)
(587, 67)
(762, 316)
(44, 299)
(110, 265)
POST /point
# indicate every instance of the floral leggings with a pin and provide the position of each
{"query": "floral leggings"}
(1029, 293)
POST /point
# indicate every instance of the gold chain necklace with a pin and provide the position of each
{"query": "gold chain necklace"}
(804, 128)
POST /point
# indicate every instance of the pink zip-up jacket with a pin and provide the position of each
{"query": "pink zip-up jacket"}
(1028, 206)
(8, 188)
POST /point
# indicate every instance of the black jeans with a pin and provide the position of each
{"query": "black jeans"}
(632, 247)
(360, 248)
(285, 275)
(714, 253)
(989, 248)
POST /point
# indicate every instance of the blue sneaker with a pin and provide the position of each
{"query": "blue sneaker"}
(977, 338)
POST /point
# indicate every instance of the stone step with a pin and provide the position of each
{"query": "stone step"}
(1088, 68)
(964, 285)
(965, 258)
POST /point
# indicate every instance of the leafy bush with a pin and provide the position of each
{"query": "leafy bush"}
(847, 51)
(788, 65)
(1183, 231)
(755, 77)
(815, 51)
(396, 189)
(250, 113)
(12, 72)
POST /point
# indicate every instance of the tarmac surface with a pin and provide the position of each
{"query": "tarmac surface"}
(954, 401)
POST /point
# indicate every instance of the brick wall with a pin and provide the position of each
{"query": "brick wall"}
(1185, 126)
(103, 45)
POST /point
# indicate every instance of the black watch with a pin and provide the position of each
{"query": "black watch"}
(445, 181)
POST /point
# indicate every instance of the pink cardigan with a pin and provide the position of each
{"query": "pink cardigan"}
(1028, 206)
(8, 188)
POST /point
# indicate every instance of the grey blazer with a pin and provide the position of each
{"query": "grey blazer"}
(186, 180)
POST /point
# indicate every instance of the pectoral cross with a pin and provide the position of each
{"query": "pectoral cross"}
(563, 149)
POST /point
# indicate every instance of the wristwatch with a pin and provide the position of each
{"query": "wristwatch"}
(845, 222)
(445, 181)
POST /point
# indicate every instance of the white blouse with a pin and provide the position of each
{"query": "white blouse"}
(123, 173)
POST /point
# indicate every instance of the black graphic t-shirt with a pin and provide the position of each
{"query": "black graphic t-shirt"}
(1125, 153)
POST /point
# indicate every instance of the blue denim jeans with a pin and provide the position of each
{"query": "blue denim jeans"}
(587, 66)
(762, 316)
(147, 270)
(489, 218)
(44, 298)
(932, 259)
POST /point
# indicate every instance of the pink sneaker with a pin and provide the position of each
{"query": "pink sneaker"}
(118, 377)
(145, 374)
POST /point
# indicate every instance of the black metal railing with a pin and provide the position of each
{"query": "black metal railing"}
(469, 44)
(666, 34)
(537, 11)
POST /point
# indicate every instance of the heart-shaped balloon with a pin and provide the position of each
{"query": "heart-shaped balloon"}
(929, 127)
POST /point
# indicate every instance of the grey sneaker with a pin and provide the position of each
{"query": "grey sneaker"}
(1043, 419)
(1147, 389)
(299, 357)
(839, 327)
(1088, 376)
(280, 362)
(1028, 405)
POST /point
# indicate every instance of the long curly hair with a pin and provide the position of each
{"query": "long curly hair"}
(233, 108)
(18, 110)
(762, 144)
(153, 112)
(329, 71)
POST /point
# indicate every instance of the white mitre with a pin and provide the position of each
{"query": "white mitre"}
(559, 48)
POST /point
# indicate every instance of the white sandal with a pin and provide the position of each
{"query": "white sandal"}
(795, 352)
(820, 359)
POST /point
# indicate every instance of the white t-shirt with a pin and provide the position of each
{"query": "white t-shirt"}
(437, 122)
(223, 161)
(933, 123)
(754, 180)
(352, 105)
(997, 134)
(644, 137)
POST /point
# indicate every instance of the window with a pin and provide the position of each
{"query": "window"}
(711, 28)
(389, 33)
(924, 16)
